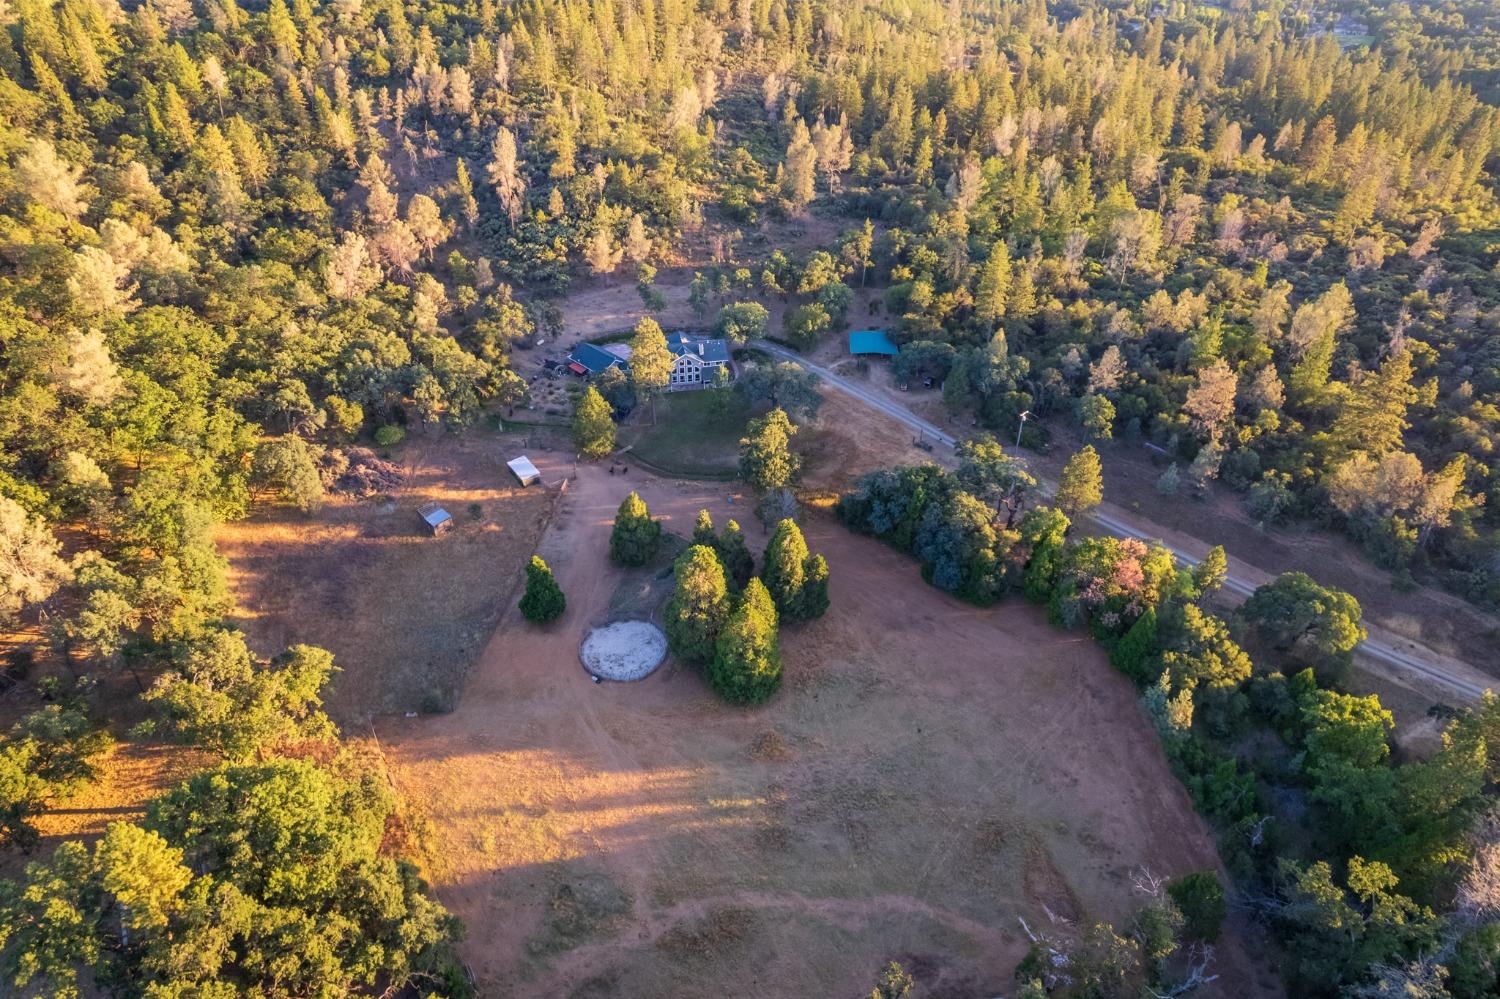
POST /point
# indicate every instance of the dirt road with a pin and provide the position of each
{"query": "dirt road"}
(1400, 659)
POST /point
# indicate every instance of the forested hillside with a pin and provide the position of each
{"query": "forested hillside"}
(234, 235)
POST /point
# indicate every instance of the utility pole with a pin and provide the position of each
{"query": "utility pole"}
(1025, 415)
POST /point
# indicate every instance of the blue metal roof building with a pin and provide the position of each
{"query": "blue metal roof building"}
(871, 342)
(710, 350)
(594, 358)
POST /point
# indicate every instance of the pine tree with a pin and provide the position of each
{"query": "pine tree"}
(800, 177)
(699, 606)
(504, 173)
(814, 600)
(651, 362)
(593, 427)
(994, 283)
(1373, 417)
(766, 461)
(739, 564)
(796, 580)
(1136, 651)
(543, 600)
(1080, 488)
(467, 206)
(1210, 574)
(635, 536)
(746, 667)
(703, 530)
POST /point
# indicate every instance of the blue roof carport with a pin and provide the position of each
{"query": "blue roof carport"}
(871, 342)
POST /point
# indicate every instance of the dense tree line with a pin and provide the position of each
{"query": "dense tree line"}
(1377, 873)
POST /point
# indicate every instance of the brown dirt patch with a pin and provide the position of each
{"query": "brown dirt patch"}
(938, 748)
(848, 439)
(130, 774)
(404, 614)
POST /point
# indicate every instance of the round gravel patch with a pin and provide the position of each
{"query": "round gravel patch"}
(625, 650)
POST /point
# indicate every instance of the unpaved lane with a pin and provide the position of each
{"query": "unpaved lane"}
(1402, 660)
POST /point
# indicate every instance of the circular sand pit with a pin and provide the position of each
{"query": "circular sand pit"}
(625, 650)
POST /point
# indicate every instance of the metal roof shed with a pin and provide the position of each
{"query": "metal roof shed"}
(871, 342)
(438, 520)
(594, 358)
(525, 472)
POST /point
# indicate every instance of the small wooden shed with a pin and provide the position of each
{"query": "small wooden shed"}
(438, 520)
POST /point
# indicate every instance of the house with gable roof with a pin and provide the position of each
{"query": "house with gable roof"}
(698, 357)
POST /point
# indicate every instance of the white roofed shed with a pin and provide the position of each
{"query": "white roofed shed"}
(525, 472)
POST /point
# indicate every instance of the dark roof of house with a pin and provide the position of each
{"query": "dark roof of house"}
(871, 342)
(712, 351)
(594, 357)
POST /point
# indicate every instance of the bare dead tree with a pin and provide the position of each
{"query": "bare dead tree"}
(1423, 978)
(1147, 884)
(1478, 896)
(1199, 956)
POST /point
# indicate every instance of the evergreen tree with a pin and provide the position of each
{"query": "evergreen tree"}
(593, 426)
(1135, 654)
(994, 284)
(746, 667)
(543, 601)
(796, 580)
(635, 536)
(1372, 418)
(766, 460)
(699, 605)
(739, 564)
(1080, 488)
(703, 530)
(650, 361)
(1210, 574)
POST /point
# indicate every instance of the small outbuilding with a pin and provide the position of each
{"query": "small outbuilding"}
(439, 521)
(593, 359)
(871, 342)
(525, 472)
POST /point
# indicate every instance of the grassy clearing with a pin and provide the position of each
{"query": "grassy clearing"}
(691, 437)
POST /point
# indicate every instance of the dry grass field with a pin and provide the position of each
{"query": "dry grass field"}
(929, 775)
(404, 614)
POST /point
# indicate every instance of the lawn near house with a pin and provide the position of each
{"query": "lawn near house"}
(691, 437)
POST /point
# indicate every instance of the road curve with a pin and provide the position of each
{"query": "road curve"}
(1379, 653)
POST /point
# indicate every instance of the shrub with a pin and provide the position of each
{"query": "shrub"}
(635, 536)
(1200, 898)
(543, 600)
(389, 435)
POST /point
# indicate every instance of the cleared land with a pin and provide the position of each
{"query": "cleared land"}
(929, 774)
(404, 614)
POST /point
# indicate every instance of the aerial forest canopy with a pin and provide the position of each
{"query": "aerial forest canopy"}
(1261, 236)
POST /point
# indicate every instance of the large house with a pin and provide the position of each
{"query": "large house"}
(698, 357)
